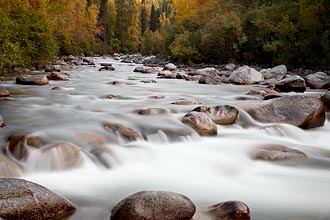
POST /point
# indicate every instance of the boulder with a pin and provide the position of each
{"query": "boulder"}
(107, 68)
(19, 144)
(245, 75)
(70, 58)
(89, 60)
(302, 111)
(208, 71)
(154, 205)
(117, 83)
(277, 72)
(291, 84)
(53, 68)
(128, 133)
(230, 67)
(106, 64)
(326, 101)
(229, 210)
(201, 123)
(212, 80)
(24, 200)
(2, 123)
(185, 102)
(9, 168)
(278, 153)
(223, 115)
(182, 75)
(4, 92)
(153, 111)
(170, 67)
(146, 70)
(318, 80)
(57, 76)
(166, 74)
(32, 80)
(60, 156)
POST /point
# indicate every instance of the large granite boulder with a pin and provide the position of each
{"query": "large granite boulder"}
(277, 72)
(146, 70)
(53, 68)
(319, 80)
(32, 80)
(222, 115)
(154, 205)
(201, 123)
(326, 101)
(208, 71)
(245, 75)
(229, 210)
(24, 200)
(4, 92)
(125, 132)
(278, 153)
(89, 61)
(170, 67)
(291, 84)
(302, 111)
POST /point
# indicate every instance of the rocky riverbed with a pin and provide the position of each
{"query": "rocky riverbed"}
(123, 140)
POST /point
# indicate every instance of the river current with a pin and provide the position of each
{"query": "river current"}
(171, 156)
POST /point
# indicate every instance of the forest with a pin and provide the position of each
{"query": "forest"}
(261, 32)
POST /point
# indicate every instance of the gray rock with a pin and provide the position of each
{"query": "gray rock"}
(245, 76)
(146, 70)
(277, 72)
(166, 74)
(19, 144)
(89, 60)
(182, 75)
(326, 101)
(106, 64)
(154, 205)
(201, 123)
(278, 153)
(128, 133)
(170, 67)
(53, 68)
(24, 200)
(153, 111)
(57, 76)
(4, 92)
(208, 71)
(302, 111)
(223, 115)
(291, 84)
(32, 80)
(230, 67)
(185, 102)
(229, 210)
(212, 80)
(107, 68)
(318, 80)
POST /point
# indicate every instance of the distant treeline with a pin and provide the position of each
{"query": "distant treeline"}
(295, 33)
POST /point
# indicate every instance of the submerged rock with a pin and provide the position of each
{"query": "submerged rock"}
(223, 115)
(9, 168)
(154, 205)
(278, 153)
(57, 76)
(229, 210)
(245, 75)
(291, 84)
(19, 144)
(24, 200)
(125, 132)
(326, 101)
(153, 111)
(4, 92)
(319, 80)
(107, 68)
(201, 123)
(302, 111)
(32, 80)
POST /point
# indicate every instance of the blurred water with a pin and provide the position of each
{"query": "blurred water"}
(103, 168)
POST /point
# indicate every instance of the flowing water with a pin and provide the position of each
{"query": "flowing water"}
(105, 167)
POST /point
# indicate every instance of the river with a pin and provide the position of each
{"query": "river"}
(208, 170)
